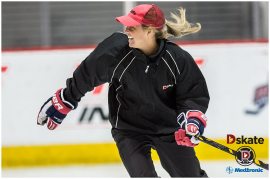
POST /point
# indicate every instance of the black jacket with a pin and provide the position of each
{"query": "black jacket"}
(144, 96)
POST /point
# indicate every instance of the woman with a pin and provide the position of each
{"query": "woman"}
(153, 86)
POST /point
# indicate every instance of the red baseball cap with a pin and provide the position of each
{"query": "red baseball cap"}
(143, 14)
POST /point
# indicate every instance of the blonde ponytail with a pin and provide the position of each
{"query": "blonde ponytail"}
(177, 29)
(181, 27)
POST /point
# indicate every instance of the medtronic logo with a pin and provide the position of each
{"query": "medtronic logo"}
(229, 170)
(248, 170)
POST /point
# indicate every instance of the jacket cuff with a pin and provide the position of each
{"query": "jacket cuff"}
(67, 97)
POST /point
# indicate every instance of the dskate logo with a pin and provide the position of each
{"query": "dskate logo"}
(245, 156)
(55, 101)
(260, 99)
(243, 140)
(165, 87)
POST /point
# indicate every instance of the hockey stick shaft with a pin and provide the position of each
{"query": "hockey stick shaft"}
(230, 151)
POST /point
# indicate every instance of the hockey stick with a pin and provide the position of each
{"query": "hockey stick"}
(228, 150)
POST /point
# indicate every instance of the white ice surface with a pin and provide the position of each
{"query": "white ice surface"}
(214, 169)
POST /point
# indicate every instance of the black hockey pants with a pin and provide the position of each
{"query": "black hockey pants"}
(135, 152)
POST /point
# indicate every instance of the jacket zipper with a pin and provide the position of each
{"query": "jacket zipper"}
(150, 85)
(147, 69)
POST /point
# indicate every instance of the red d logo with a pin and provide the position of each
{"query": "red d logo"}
(245, 154)
(230, 139)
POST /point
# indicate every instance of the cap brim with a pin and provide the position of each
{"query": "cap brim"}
(127, 21)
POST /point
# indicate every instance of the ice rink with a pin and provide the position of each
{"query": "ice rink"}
(80, 46)
(214, 169)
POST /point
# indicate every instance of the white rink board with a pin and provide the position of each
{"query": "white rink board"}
(232, 71)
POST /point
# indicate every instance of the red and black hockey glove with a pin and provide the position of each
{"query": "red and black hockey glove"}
(54, 110)
(192, 124)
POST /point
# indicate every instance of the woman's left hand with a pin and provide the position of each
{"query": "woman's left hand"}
(190, 127)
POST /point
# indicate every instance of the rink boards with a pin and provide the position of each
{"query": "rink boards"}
(236, 75)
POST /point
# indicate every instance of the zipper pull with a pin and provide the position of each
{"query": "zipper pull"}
(147, 69)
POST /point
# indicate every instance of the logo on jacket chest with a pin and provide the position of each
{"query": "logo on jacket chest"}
(167, 86)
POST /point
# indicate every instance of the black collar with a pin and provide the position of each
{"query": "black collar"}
(153, 58)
